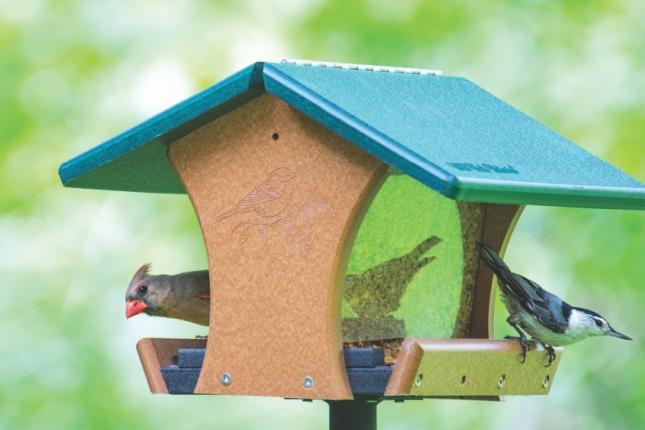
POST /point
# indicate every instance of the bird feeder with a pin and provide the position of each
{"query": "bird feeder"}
(341, 208)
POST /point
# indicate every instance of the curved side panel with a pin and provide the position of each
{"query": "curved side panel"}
(498, 223)
(277, 196)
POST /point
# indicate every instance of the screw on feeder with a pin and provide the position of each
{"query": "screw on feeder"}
(225, 379)
(308, 383)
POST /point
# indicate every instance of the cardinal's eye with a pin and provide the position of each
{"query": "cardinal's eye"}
(143, 289)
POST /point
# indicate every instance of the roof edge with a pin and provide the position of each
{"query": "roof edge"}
(543, 194)
(357, 132)
(142, 148)
(171, 123)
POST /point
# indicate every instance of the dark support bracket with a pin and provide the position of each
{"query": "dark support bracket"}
(352, 414)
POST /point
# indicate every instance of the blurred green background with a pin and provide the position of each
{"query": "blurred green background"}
(73, 73)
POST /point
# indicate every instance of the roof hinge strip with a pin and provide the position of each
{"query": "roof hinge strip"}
(365, 67)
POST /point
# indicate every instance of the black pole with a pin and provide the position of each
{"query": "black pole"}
(352, 414)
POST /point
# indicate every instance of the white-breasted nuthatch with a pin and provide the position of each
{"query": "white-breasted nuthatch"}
(541, 314)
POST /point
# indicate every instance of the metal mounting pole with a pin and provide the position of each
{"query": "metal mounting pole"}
(352, 414)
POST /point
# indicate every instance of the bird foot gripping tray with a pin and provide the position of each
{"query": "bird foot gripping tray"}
(343, 205)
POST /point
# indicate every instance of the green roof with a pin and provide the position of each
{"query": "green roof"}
(445, 131)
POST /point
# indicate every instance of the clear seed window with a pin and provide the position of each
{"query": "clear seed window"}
(404, 277)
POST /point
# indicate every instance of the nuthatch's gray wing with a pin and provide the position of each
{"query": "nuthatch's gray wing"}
(549, 309)
(542, 305)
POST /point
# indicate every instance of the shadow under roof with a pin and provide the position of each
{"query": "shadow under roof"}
(444, 131)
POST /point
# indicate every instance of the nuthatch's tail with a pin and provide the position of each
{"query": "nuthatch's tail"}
(496, 264)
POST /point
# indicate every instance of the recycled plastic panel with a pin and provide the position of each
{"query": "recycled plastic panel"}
(277, 196)
(498, 224)
(470, 368)
(406, 265)
(157, 353)
(481, 223)
(453, 136)
(443, 130)
(405, 369)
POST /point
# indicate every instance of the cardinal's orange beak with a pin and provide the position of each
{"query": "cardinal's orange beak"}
(134, 307)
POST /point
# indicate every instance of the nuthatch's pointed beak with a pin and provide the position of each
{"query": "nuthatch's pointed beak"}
(618, 334)
(134, 307)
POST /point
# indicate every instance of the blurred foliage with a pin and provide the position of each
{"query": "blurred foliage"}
(73, 73)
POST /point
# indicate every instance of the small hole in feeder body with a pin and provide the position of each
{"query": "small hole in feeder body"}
(547, 380)
(501, 381)
(275, 136)
(419, 380)
(462, 382)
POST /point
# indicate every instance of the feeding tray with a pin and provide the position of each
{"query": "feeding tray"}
(462, 368)
(344, 205)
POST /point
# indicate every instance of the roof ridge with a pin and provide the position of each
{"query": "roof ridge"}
(363, 67)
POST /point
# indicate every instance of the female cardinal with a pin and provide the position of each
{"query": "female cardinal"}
(185, 296)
